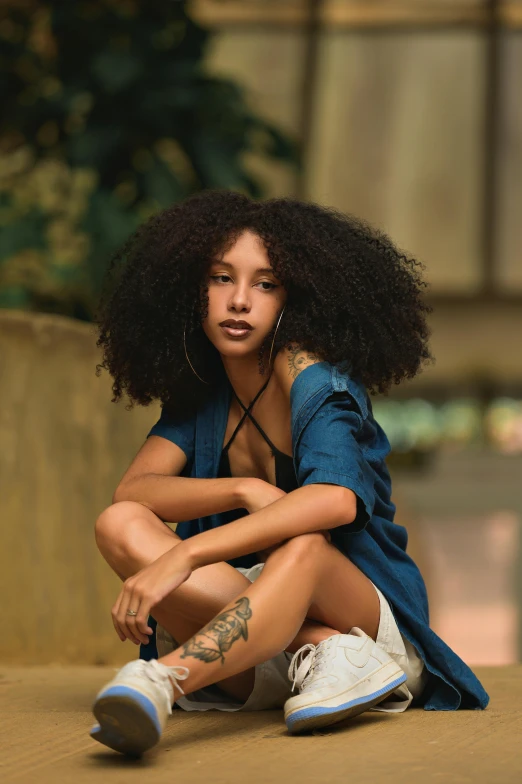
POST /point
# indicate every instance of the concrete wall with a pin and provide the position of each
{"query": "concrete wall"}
(63, 448)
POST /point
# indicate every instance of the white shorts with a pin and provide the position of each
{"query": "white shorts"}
(271, 684)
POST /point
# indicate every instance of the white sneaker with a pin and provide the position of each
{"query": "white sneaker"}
(344, 675)
(132, 709)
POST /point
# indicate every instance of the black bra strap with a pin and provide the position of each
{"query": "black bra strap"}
(247, 413)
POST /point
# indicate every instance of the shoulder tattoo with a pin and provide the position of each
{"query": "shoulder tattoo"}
(297, 360)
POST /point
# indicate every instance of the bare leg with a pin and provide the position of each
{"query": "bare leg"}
(130, 536)
(256, 624)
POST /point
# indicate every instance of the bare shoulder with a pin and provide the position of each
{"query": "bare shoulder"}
(289, 362)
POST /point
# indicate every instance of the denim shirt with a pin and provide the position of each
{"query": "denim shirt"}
(335, 439)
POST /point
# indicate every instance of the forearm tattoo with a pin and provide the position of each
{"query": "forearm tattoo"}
(299, 359)
(218, 636)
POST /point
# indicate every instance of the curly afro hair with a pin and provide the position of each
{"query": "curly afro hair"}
(352, 296)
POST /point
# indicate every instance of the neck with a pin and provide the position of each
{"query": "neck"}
(244, 376)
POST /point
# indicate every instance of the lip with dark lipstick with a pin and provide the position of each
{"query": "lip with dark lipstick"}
(239, 324)
(236, 328)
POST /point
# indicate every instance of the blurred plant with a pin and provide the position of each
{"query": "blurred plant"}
(108, 116)
(504, 425)
(417, 428)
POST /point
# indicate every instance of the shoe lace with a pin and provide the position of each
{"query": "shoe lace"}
(160, 673)
(178, 672)
(306, 662)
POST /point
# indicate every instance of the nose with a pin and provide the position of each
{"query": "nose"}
(240, 299)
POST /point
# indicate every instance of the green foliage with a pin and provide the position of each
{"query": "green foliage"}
(108, 116)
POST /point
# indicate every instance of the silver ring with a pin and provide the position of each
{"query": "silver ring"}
(132, 612)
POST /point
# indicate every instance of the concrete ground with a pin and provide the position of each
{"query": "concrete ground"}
(45, 719)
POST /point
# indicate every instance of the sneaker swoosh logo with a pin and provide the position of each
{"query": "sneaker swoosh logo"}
(359, 658)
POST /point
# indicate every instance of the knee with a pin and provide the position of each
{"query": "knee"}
(305, 546)
(112, 527)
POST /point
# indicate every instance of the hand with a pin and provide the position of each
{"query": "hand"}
(144, 590)
(257, 494)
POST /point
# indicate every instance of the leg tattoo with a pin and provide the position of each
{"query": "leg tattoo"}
(219, 635)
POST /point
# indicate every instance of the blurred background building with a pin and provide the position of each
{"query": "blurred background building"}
(405, 112)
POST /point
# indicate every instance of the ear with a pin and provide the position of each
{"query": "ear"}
(289, 362)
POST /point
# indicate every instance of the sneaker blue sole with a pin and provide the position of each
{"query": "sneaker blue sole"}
(128, 721)
(316, 716)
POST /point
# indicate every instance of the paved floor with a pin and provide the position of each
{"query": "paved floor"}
(45, 718)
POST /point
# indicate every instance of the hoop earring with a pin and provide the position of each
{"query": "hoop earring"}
(188, 360)
(275, 333)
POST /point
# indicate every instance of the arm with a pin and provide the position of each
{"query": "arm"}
(178, 498)
(307, 509)
(153, 480)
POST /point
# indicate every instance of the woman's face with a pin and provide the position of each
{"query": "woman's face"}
(242, 287)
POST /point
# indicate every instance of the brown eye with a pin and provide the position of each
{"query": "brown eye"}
(215, 277)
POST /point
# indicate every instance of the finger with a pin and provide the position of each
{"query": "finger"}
(126, 621)
(114, 616)
(136, 629)
(140, 604)
(142, 618)
(118, 630)
(139, 635)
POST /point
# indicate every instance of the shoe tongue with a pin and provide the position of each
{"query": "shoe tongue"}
(324, 644)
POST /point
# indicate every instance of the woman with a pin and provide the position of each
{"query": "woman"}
(286, 571)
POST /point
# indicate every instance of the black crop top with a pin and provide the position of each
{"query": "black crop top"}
(284, 465)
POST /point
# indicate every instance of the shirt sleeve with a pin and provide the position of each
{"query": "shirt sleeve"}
(328, 451)
(178, 430)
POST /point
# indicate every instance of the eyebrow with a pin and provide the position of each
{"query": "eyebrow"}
(259, 269)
